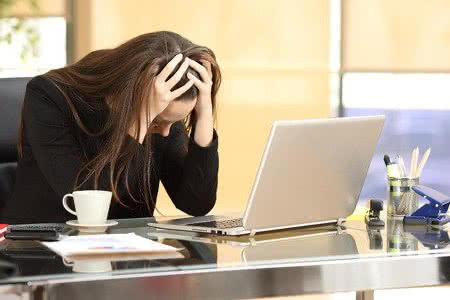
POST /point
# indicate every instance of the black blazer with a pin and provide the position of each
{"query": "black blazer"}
(53, 155)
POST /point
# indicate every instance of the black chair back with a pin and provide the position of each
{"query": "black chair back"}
(12, 92)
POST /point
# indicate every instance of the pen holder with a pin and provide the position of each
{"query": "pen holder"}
(402, 200)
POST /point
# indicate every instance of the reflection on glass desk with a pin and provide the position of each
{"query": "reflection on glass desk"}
(207, 261)
(315, 243)
(246, 240)
(433, 238)
(404, 239)
(34, 259)
(321, 247)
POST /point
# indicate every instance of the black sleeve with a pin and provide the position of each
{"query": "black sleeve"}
(49, 129)
(190, 178)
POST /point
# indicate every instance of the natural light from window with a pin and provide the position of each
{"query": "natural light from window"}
(396, 91)
(51, 52)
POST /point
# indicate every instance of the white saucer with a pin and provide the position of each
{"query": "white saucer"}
(92, 228)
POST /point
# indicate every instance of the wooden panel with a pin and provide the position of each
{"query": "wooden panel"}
(46, 8)
(401, 35)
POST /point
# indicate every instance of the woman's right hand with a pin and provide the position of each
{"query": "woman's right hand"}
(161, 94)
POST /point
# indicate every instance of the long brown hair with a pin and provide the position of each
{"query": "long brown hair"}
(122, 78)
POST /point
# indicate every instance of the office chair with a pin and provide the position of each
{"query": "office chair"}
(12, 92)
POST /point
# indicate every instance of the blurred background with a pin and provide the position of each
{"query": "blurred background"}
(281, 59)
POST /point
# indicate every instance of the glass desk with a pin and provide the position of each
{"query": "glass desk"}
(324, 259)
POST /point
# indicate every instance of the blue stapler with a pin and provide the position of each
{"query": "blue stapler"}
(432, 213)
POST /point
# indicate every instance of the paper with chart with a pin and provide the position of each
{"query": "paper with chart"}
(109, 244)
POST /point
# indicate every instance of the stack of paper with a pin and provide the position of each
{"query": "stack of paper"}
(109, 244)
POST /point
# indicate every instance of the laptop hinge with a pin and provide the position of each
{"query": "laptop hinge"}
(340, 221)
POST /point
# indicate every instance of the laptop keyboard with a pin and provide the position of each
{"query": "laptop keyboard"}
(223, 224)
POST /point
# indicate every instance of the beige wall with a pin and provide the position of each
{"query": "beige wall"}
(401, 35)
(274, 58)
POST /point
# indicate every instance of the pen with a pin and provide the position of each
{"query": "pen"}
(392, 168)
(423, 162)
(401, 164)
(416, 161)
(413, 166)
(387, 160)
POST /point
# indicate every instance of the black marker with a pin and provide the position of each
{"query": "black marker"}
(392, 168)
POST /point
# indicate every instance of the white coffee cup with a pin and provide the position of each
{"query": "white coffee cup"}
(91, 206)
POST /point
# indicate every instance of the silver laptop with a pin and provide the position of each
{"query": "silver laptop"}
(311, 172)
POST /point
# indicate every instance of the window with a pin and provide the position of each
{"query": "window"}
(50, 45)
(417, 109)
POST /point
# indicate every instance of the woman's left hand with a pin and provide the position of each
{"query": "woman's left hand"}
(203, 107)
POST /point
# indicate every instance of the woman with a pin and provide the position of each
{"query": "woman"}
(120, 119)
